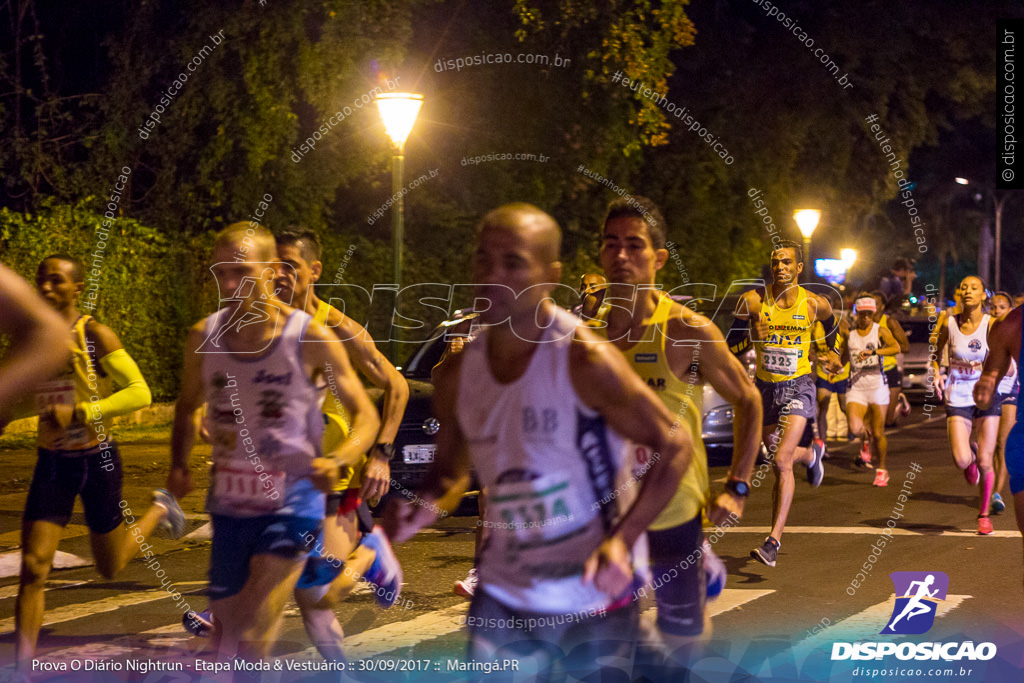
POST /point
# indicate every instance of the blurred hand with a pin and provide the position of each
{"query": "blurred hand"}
(402, 519)
(609, 567)
(179, 482)
(376, 480)
(724, 507)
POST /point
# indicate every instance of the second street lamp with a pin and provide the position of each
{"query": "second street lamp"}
(398, 111)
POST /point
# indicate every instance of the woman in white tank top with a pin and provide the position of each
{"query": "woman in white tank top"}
(1006, 394)
(967, 335)
(868, 394)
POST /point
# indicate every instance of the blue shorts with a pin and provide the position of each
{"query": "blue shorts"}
(792, 397)
(61, 476)
(1015, 457)
(974, 412)
(835, 387)
(236, 540)
(1009, 399)
(322, 567)
(677, 564)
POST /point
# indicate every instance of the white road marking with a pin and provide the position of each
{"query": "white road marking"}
(10, 562)
(867, 531)
(8, 592)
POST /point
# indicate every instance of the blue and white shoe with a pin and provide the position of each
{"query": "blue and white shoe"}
(997, 503)
(715, 572)
(198, 623)
(385, 573)
(816, 470)
(173, 525)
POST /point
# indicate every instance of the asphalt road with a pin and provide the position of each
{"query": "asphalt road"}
(770, 624)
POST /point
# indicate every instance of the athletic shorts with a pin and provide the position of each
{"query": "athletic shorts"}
(679, 584)
(236, 540)
(973, 412)
(1009, 399)
(321, 566)
(60, 476)
(572, 642)
(792, 397)
(894, 378)
(837, 387)
(1015, 457)
(879, 396)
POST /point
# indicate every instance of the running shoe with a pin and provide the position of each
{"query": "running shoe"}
(881, 477)
(767, 552)
(714, 572)
(997, 503)
(385, 573)
(198, 623)
(467, 586)
(173, 523)
(816, 470)
(820, 443)
(863, 459)
(984, 525)
(904, 409)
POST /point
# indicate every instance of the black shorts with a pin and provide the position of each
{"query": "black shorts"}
(894, 378)
(61, 476)
(677, 563)
(565, 642)
(973, 412)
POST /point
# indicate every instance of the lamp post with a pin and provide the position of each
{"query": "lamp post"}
(398, 111)
(807, 221)
(997, 203)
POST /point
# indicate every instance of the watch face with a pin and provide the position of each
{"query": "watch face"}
(740, 488)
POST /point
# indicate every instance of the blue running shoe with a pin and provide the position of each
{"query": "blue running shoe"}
(385, 573)
(816, 470)
(997, 503)
(198, 623)
(173, 525)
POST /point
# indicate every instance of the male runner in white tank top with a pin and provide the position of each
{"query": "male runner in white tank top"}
(529, 403)
(260, 366)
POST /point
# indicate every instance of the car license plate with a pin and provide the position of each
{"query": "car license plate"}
(418, 454)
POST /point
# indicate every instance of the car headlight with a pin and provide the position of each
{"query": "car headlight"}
(718, 417)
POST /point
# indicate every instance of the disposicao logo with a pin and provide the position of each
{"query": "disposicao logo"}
(921, 593)
(917, 597)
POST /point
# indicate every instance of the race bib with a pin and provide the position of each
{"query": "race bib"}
(531, 514)
(242, 486)
(780, 360)
(55, 392)
(869, 362)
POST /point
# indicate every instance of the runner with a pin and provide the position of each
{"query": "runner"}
(868, 394)
(37, 347)
(1005, 345)
(348, 549)
(592, 290)
(632, 252)
(898, 404)
(781, 319)
(967, 334)
(826, 381)
(1002, 304)
(264, 392)
(77, 455)
(368, 478)
(527, 403)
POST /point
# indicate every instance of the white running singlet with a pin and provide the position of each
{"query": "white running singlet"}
(966, 357)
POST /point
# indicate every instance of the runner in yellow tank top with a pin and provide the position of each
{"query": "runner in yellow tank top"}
(677, 352)
(781, 319)
(898, 404)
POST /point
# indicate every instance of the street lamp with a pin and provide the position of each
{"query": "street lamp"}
(997, 202)
(398, 111)
(807, 221)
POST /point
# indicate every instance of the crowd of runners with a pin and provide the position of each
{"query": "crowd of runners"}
(583, 430)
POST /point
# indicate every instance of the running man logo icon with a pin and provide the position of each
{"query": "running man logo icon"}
(921, 592)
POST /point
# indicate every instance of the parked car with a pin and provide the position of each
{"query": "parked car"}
(915, 361)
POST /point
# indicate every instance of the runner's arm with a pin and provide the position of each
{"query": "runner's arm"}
(1003, 345)
(115, 361)
(937, 340)
(39, 338)
(449, 474)
(898, 333)
(190, 398)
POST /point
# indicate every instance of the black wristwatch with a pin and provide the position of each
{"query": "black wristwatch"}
(387, 449)
(737, 487)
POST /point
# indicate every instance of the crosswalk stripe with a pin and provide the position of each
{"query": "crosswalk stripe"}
(10, 562)
(80, 610)
(866, 531)
(8, 592)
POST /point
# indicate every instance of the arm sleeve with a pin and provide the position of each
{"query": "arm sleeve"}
(134, 395)
(831, 327)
